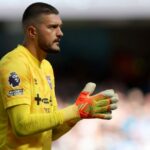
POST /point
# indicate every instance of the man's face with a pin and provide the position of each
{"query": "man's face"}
(49, 33)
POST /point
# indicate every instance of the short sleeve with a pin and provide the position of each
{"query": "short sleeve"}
(14, 82)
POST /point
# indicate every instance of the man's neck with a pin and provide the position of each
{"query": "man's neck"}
(35, 51)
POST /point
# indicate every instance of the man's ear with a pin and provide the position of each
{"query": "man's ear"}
(31, 30)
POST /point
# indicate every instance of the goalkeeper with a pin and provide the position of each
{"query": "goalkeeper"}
(29, 117)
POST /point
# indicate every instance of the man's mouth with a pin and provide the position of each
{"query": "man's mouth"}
(57, 40)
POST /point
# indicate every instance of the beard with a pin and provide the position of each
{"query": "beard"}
(49, 47)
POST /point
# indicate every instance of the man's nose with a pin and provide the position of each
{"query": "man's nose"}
(59, 32)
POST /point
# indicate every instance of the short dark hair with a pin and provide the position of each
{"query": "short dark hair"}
(36, 9)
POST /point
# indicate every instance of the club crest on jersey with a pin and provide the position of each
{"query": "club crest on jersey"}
(14, 80)
(49, 81)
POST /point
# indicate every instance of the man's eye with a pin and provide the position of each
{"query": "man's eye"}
(52, 26)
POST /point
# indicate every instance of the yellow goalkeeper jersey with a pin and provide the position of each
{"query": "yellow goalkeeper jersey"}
(25, 80)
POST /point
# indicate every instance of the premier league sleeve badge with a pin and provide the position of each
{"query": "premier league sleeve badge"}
(14, 79)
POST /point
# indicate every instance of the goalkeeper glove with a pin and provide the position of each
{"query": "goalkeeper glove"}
(96, 106)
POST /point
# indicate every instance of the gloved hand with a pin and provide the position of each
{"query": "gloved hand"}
(96, 106)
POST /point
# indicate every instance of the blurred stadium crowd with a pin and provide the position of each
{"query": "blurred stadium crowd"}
(128, 130)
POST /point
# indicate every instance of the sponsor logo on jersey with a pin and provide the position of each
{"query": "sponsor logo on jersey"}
(15, 92)
(14, 79)
(38, 99)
